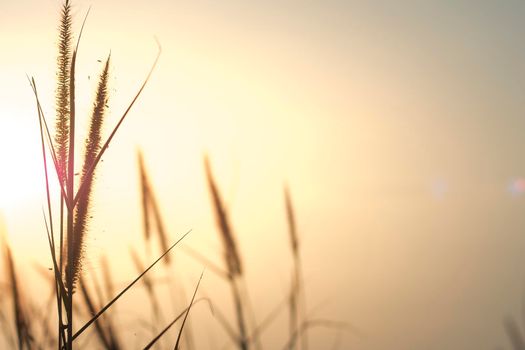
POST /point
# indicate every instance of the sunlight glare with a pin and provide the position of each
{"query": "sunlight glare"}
(21, 162)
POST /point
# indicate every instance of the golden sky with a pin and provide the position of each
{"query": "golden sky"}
(399, 127)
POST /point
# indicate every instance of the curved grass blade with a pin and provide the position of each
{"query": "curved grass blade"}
(268, 320)
(154, 340)
(188, 312)
(88, 301)
(148, 284)
(53, 256)
(48, 134)
(83, 185)
(108, 305)
(297, 291)
(22, 321)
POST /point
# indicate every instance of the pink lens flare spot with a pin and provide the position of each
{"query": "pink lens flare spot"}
(517, 187)
(439, 188)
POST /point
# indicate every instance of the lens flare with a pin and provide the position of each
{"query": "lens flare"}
(517, 187)
(439, 188)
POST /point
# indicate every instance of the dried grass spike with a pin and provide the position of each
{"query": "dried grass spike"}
(233, 260)
(145, 193)
(92, 147)
(62, 91)
(21, 320)
(294, 240)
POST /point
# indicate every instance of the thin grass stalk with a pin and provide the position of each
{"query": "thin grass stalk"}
(108, 278)
(70, 213)
(269, 318)
(47, 340)
(159, 223)
(98, 290)
(89, 303)
(148, 201)
(58, 280)
(231, 255)
(251, 314)
(44, 315)
(294, 319)
(61, 247)
(107, 319)
(49, 139)
(17, 310)
(21, 321)
(112, 301)
(188, 339)
(150, 207)
(70, 186)
(109, 328)
(218, 271)
(49, 207)
(150, 291)
(178, 317)
(188, 312)
(297, 292)
(144, 191)
(294, 286)
(239, 311)
(223, 321)
(59, 283)
(109, 291)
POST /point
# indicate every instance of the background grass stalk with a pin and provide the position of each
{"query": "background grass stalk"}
(296, 291)
(231, 255)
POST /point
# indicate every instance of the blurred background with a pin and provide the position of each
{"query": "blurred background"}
(398, 127)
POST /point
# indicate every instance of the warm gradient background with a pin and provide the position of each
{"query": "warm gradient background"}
(399, 126)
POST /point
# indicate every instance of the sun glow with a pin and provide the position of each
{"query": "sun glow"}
(20, 162)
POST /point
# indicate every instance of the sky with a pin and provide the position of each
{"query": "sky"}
(398, 127)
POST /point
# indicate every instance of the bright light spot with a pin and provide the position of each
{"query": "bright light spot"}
(20, 162)
(439, 189)
(517, 187)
